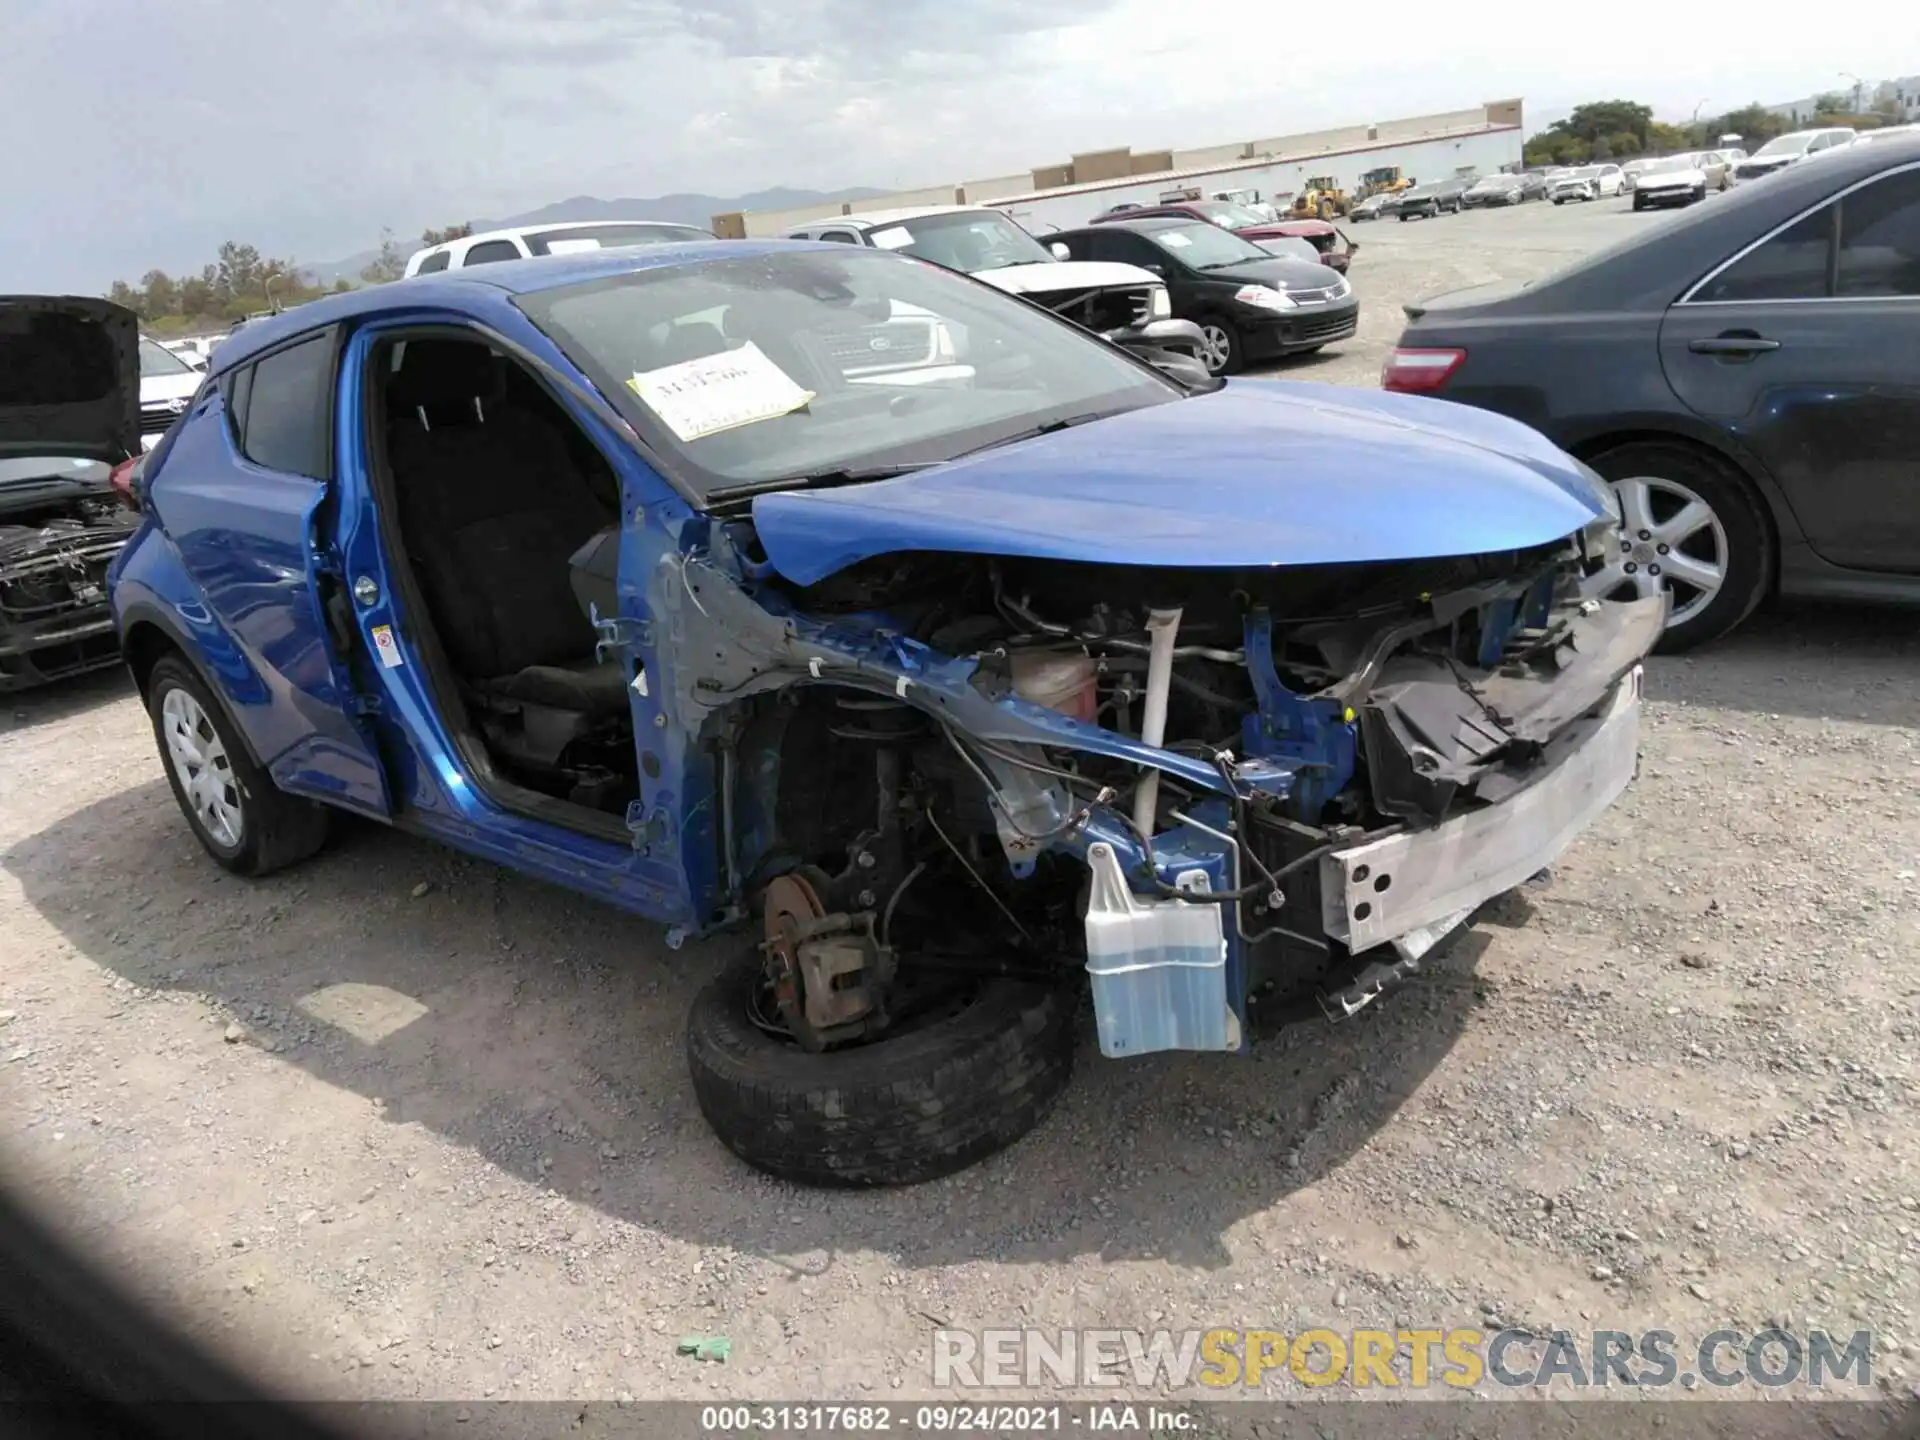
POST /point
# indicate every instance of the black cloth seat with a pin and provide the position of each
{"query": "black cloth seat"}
(595, 687)
(493, 505)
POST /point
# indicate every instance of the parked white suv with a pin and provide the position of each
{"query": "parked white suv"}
(559, 238)
(1784, 150)
(1125, 304)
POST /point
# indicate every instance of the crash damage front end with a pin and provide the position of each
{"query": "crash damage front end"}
(1198, 785)
(53, 604)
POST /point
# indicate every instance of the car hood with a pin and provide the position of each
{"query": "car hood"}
(1279, 271)
(157, 389)
(1063, 275)
(1258, 473)
(1303, 229)
(69, 377)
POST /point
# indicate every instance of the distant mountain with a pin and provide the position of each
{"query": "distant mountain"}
(682, 209)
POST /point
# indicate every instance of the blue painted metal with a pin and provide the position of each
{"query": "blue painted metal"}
(1316, 737)
(667, 871)
(1257, 474)
(240, 547)
(1497, 620)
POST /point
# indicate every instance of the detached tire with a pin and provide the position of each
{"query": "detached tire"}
(240, 817)
(893, 1112)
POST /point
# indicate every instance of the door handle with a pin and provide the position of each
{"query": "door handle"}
(1740, 345)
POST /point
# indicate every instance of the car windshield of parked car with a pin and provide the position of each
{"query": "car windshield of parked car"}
(1204, 247)
(1289, 247)
(969, 241)
(1230, 216)
(1585, 172)
(1672, 163)
(774, 367)
(1783, 146)
(600, 237)
(156, 360)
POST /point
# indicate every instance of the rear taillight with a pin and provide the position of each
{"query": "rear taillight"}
(1415, 371)
(125, 480)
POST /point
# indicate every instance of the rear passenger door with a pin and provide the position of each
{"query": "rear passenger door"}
(1807, 346)
(242, 493)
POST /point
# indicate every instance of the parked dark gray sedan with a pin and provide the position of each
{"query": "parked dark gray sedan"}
(1747, 375)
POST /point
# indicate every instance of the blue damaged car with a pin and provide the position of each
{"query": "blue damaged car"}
(965, 663)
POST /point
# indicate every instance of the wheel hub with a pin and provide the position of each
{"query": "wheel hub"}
(828, 972)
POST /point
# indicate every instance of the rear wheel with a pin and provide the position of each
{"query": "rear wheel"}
(1220, 346)
(961, 1082)
(1692, 530)
(241, 818)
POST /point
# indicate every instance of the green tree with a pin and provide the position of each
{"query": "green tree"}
(1664, 139)
(1755, 123)
(1608, 118)
(440, 237)
(389, 264)
(1831, 102)
(162, 295)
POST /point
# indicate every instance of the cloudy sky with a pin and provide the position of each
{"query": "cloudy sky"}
(145, 132)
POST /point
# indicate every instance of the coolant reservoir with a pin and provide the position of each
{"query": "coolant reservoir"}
(1062, 680)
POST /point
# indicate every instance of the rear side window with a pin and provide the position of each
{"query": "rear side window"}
(437, 261)
(281, 407)
(1790, 266)
(1880, 238)
(488, 251)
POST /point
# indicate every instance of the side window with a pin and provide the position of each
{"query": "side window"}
(1790, 266)
(1880, 238)
(1081, 247)
(238, 388)
(489, 251)
(840, 237)
(436, 261)
(284, 424)
(1130, 249)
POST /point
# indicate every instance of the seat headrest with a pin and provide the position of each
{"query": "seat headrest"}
(444, 372)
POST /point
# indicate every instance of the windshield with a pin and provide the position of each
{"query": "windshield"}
(1673, 162)
(1204, 247)
(1230, 216)
(968, 241)
(594, 237)
(156, 359)
(844, 360)
(1783, 146)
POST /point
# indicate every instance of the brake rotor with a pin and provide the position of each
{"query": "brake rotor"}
(790, 904)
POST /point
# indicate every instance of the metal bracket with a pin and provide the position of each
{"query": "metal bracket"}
(1316, 735)
(616, 631)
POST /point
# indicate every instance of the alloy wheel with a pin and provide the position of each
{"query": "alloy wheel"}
(1216, 347)
(1670, 542)
(204, 769)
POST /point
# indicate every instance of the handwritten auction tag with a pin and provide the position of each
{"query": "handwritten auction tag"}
(719, 392)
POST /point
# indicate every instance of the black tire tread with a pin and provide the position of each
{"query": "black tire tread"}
(280, 829)
(895, 1112)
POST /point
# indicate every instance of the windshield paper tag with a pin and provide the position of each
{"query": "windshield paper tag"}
(1175, 239)
(719, 392)
(898, 238)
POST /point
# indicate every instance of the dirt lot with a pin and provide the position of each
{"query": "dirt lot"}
(399, 1124)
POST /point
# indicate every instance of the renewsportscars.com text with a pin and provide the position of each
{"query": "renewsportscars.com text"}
(1399, 1358)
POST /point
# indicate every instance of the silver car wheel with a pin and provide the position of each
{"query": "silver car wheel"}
(1216, 347)
(201, 764)
(1671, 542)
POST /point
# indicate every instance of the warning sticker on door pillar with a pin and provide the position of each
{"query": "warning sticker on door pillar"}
(719, 392)
(386, 647)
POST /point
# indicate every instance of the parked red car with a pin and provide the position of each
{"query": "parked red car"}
(1334, 246)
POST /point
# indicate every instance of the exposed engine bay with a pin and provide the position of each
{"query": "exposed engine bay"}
(933, 767)
(53, 563)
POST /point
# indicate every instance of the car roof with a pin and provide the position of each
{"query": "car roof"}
(456, 289)
(868, 219)
(1154, 222)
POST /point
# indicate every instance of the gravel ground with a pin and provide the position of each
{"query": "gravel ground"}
(399, 1124)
